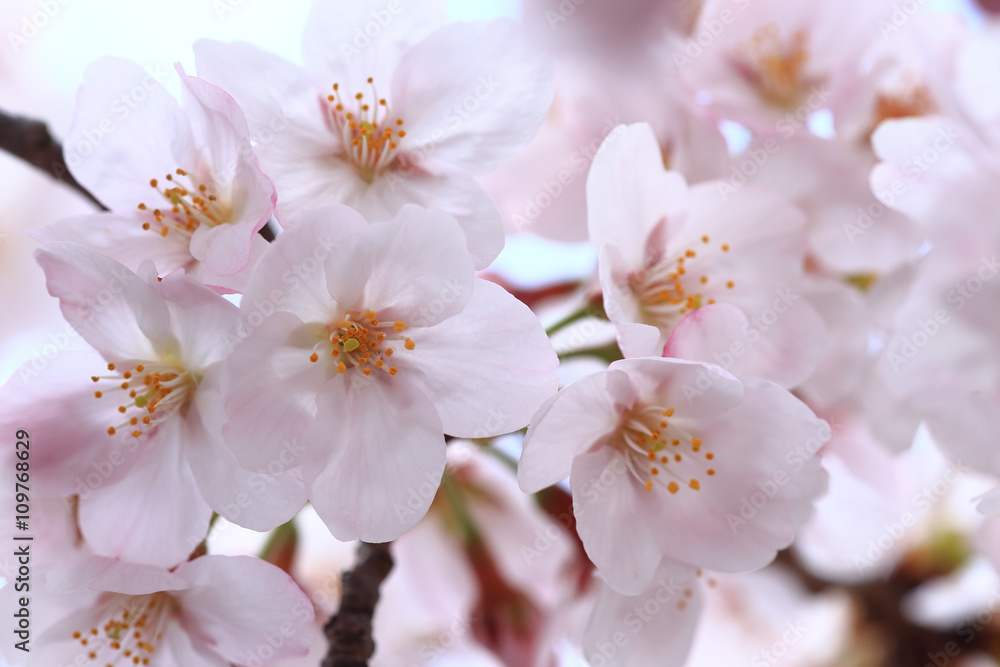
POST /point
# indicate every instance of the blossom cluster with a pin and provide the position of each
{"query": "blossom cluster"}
(294, 316)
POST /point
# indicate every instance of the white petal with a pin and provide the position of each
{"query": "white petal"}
(111, 307)
(413, 269)
(629, 192)
(127, 130)
(383, 450)
(239, 603)
(570, 423)
(132, 520)
(488, 368)
(609, 521)
(471, 94)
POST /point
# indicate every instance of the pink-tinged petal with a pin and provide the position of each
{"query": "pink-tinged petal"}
(608, 509)
(965, 428)
(217, 120)
(100, 573)
(308, 178)
(471, 94)
(277, 98)
(694, 388)
(629, 193)
(179, 647)
(133, 520)
(382, 460)
(258, 501)
(203, 323)
(418, 603)
(457, 195)
(122, 238)
(929, 196)
(127, 130)
(236, 602)
(111, 307)
(785, 353)
(638, 340)
(570, 423)
(235, 283)
(777, 478)
(789, 350)
(488, 368)
(414, 269)
(634, 338)
(226, 249)
(656, 627)
(713, 334)
(348, 42)
(54, 401)
(290, 275)
(269, 387)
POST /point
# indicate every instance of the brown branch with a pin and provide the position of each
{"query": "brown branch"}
(30, 140)
(350, 630)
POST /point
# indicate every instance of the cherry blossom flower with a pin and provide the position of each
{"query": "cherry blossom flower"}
(911, 75)
(769, 65)
(404, 116)
(542, 189)
(385, 342)
(145, 425)
(667, 249)
(677, 461)
(182, 184)
(212, 611)
(940, 168)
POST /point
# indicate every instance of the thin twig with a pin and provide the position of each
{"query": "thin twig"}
(350, 630)
(30, 140)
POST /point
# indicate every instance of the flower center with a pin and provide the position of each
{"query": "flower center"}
(190, 205)
(154, 391)
(135, 624)
(361, 341)
(775, 67)
(369, 138)
(671, 288)
(660, 451)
